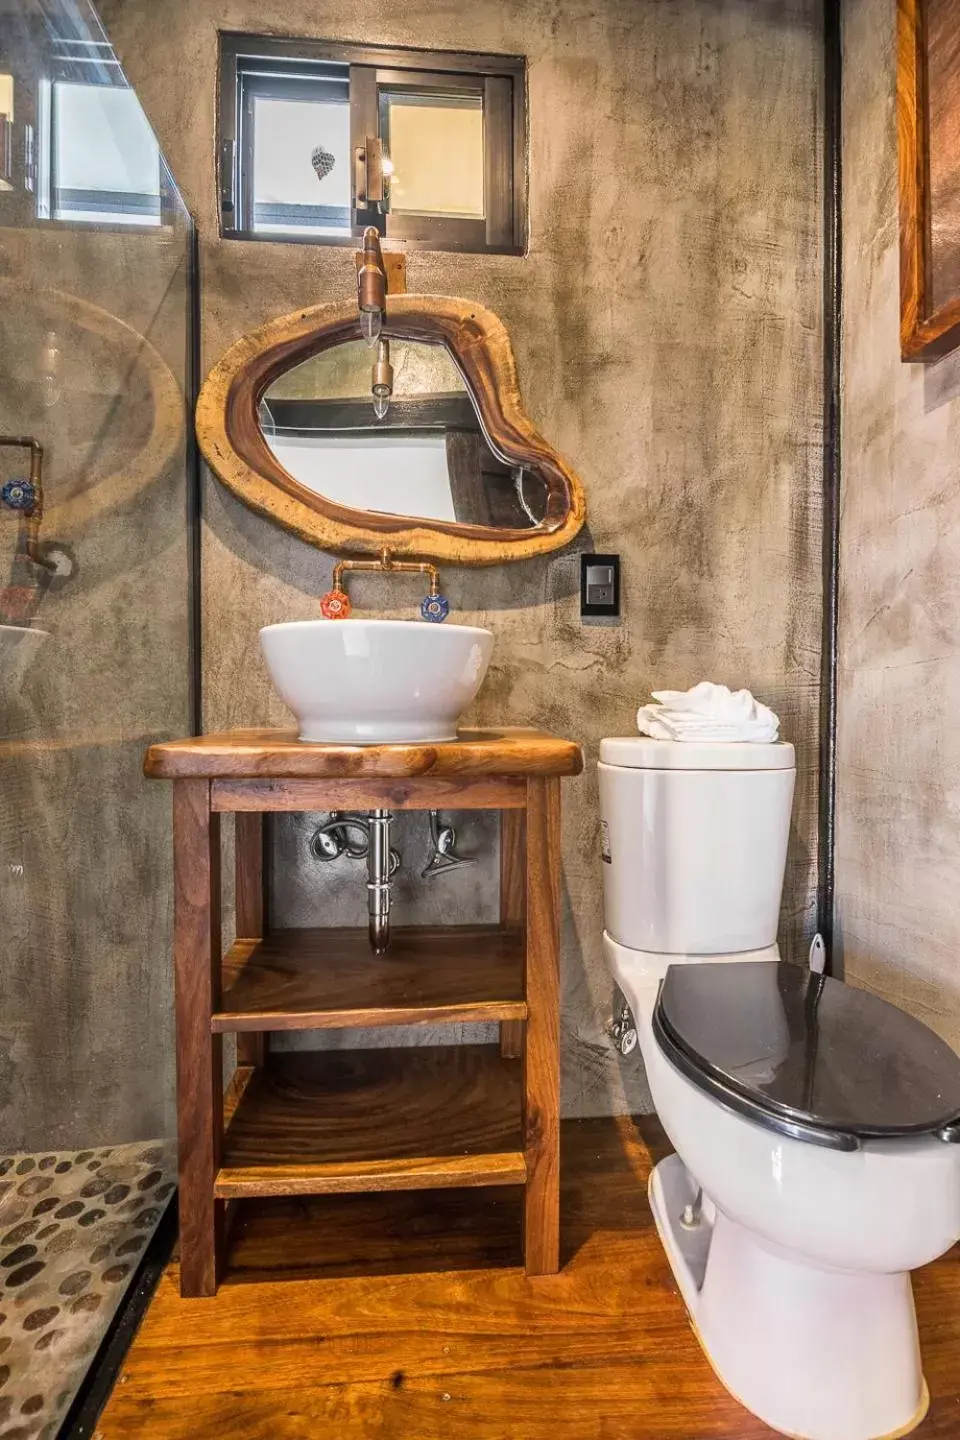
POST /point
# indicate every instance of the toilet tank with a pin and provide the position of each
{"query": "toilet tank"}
(694, 843)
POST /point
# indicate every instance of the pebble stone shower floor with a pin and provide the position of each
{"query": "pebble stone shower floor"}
(73, 1226)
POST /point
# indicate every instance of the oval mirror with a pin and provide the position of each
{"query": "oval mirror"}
(426, 457)
(445, 465)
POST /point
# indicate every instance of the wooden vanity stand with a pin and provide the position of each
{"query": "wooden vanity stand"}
(407, 1118)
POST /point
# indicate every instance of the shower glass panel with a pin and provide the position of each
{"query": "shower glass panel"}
(97, 534)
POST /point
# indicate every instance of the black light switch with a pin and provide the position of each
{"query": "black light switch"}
(599, 585)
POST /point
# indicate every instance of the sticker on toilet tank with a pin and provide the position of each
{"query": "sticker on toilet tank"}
(605, 842)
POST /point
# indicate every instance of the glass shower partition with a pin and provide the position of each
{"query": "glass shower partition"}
(98, 516)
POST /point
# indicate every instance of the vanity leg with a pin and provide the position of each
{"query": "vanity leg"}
(513, 871)
(196, 881)
(250, 838)
(541, 1059)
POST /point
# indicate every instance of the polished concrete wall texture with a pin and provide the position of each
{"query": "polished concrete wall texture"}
(899, 742)
(667, 326)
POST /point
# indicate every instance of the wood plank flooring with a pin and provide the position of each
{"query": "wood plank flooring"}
(406, 1317)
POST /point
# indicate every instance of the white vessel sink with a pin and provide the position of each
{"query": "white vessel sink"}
(372, 682)
(18, 645)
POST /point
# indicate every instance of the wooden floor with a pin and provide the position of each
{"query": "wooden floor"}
(407, 1318)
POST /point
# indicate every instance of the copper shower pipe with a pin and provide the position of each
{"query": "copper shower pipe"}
(33, 517)
(27, 442)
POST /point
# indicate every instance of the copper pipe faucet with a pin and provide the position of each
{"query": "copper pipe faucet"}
(371, 286)
(388, 566)
(336, 603)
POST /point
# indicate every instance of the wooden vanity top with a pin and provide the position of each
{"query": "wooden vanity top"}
(278, 754)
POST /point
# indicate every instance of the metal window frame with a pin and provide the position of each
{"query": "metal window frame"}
(251, 65)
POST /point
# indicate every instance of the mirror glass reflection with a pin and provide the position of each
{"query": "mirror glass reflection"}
(427, 458)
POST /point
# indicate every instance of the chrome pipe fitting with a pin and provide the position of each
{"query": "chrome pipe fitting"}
(622, 1028)
(443, 849)
(378, 880)
(363, 837)
(335, 837)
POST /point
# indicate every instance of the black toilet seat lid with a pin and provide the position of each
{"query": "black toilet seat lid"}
(806, 1055)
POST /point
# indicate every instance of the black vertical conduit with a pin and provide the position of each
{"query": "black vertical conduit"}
(832, 322)
(192, 389)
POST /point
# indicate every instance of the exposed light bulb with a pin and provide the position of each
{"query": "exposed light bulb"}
(381, 381)
(50, 391)
(371, 323)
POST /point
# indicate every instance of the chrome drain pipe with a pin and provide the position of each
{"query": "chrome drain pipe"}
(378, 880)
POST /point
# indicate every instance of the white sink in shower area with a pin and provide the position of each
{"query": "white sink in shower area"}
(374, 682)
(18, 645)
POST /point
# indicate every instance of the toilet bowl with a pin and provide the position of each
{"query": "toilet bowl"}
(814, 1125)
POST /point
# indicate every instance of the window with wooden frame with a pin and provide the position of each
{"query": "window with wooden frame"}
(319, 140)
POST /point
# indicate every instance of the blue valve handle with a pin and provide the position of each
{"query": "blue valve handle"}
(19, 494)
(435, 608)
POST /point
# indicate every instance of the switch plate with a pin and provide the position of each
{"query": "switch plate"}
(599, 586)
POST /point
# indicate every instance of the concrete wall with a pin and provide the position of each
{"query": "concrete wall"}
(667, 329)
(899, 740)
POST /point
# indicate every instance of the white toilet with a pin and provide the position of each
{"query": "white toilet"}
(816, 1126)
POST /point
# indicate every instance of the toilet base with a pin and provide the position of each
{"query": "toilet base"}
(816, 1354)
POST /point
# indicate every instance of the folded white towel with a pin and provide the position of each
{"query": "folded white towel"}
(708, 712)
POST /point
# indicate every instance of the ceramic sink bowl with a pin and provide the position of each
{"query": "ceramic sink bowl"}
(371, 682)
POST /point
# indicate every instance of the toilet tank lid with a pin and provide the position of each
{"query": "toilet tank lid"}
(638, 752)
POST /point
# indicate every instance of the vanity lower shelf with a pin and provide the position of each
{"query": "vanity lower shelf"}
(330, 979)
(417, 1117)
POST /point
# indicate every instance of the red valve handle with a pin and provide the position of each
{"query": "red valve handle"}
(336, 605)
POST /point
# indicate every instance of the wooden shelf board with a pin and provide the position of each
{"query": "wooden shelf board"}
(330, 979)
(238, 1183)
(413, 1118)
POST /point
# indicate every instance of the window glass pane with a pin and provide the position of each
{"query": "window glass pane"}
(436, 149)
(287, 191)
(106, 157)
(392, 474)
(6, 122)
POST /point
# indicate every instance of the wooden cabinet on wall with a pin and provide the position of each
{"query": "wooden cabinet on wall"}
(407, 1118)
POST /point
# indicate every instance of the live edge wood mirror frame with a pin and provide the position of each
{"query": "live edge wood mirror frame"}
(928, 129)
(233, 443)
